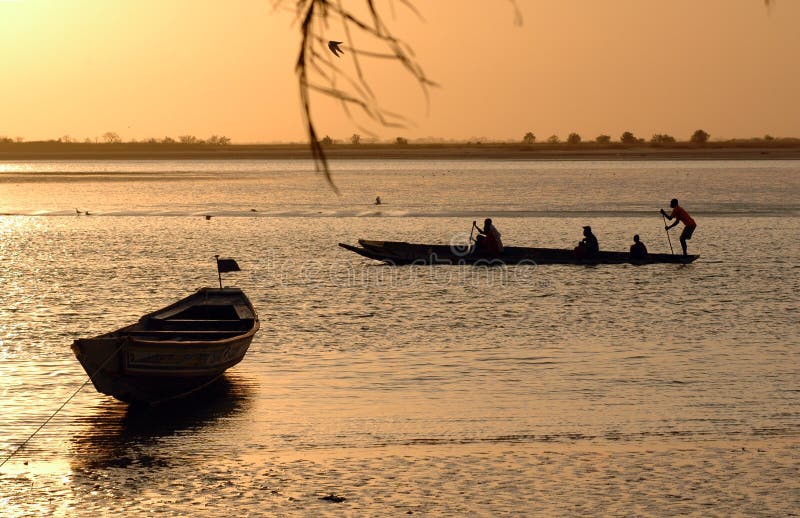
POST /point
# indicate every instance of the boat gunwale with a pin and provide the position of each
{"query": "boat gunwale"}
(123, 332)
(224, 341)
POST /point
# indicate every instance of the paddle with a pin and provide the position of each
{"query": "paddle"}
(667, 231)
(471, 241)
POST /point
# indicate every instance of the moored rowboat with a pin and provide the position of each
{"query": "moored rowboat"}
(399, 252)
(173, 351)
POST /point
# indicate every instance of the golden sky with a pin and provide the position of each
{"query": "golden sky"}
(151, 68)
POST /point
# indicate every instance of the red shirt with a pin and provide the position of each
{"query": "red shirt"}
(682, 216)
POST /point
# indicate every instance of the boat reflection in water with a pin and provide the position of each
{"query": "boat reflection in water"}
(120, 436)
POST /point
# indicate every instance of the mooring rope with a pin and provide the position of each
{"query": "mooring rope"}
(44, 423)
(31, 436)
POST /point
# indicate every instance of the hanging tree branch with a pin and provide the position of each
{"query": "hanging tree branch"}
(314, 59)
(317, 70)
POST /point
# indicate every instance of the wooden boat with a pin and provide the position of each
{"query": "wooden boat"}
(174, 351)
(398, 252)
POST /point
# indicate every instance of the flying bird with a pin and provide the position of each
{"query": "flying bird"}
(334, 46)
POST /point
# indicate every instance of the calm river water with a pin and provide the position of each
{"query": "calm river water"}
(551, 390)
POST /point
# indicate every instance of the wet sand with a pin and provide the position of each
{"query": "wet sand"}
(80, 151)
(579, 479)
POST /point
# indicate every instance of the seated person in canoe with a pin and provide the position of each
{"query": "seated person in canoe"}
(488, 241)
(588, 246)
(638, 250)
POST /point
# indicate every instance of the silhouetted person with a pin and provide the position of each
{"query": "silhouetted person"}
(588, 246)
(377, 200)
(681, 216)
(488, 240)
(638, 250)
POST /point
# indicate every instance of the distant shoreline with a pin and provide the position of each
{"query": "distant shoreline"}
(587, 151)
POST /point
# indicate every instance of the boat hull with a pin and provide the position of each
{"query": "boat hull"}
(399, 253)
(161, 358)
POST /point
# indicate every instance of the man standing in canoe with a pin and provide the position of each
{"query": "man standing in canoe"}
(681, 216)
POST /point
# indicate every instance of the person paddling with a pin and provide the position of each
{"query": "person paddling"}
(488, 240)
(680, 215)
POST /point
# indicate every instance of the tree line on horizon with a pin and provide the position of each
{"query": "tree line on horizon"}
(699, 137)
(111, 137)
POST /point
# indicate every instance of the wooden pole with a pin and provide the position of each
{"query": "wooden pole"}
(667, 231)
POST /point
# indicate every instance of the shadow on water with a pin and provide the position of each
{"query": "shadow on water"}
(119, 435)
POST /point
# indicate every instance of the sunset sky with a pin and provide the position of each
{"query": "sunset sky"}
(150, 68)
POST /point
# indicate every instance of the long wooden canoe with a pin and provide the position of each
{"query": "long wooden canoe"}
(399, 252)
(173, 351)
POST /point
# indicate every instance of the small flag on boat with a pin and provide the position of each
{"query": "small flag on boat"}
(227, 265)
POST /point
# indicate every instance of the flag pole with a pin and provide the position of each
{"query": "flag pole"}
(219, 273)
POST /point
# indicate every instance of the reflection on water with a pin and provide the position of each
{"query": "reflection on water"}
(114, 448)
(119, 435)
(661, 389)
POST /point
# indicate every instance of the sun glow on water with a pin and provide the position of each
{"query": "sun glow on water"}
(13, 168)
